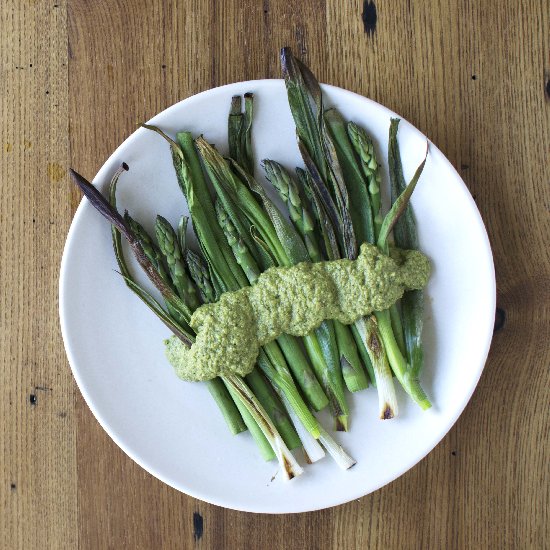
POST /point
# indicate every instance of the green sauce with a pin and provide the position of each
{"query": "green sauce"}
(292, 300)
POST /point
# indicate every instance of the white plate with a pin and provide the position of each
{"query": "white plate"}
(172, 428)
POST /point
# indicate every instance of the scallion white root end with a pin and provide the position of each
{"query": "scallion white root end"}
(340, 456)
(313, 450)
(288, 463)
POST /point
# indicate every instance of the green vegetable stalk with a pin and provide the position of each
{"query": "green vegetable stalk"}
(352, 370)
(240, 132)
(170, 248)
(406, 373)
(234, 188)
(366, 156)
(405, 235)
(198, 269)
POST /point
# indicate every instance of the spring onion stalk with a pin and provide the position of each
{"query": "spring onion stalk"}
(405, 373)
(273, 407)
(289, 465)
(233, 194)
(405, 235)
(367, 327)
(340, 456)
(262, 443)
(312, 448)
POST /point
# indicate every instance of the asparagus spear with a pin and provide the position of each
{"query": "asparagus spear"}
(155, 256)
(299, 214)
(229, 410)
(276, 368)
(407, 374)
(170, 248)
(240, 250)
(352, 370)
(198, 270)
(150, 249)
(364, 148)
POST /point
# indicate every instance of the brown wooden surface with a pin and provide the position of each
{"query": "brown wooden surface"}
(76, 75)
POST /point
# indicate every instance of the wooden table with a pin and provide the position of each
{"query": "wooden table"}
(77, 75)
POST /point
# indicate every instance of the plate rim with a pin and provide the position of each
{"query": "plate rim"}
(222, 500)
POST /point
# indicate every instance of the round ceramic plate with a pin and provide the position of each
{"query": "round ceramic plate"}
(172, 428)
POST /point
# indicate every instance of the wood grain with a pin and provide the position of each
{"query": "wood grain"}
(78, 75)
(38, 488)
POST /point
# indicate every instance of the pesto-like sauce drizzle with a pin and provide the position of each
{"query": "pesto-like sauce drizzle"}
(292, 300)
